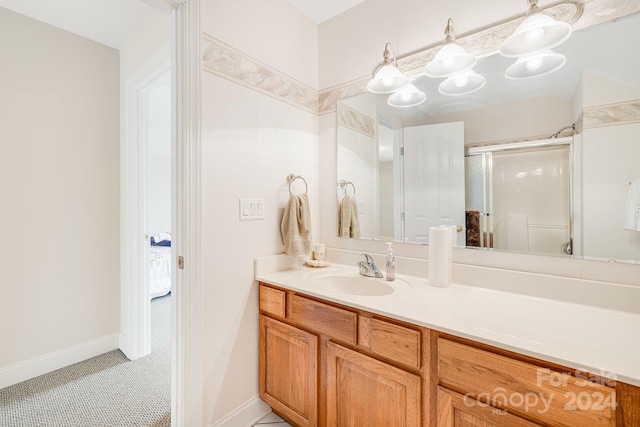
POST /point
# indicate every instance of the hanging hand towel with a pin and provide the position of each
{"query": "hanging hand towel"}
(632, 211)
(296, 226)
(348, 221)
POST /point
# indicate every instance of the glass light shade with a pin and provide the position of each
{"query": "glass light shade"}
(536, 34)
(450, 59)
(462, 84)
(410, 96)
(535, 65)
(387, 79)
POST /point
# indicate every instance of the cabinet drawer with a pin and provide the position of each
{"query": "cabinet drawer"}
(323, 318)
(533, 392)
(389, 340)
(455, 410)
(272, 301)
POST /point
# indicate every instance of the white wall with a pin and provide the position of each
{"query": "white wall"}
(540, 116)
(358, 164)
(610, 156)
(251, 142)
(59, 186)
(612, 153)
(273, 32)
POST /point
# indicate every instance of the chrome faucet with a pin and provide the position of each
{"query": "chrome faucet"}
(368, 268)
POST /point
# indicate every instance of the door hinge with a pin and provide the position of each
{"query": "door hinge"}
(180, 262)
(402, 151)
(402, 216)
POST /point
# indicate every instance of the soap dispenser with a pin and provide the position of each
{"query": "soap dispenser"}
(391, 263)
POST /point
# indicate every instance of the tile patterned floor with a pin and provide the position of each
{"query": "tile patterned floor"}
(272, 420)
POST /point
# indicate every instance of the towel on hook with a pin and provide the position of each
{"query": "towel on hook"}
(632, 211)
(296, 226)
(348, 221)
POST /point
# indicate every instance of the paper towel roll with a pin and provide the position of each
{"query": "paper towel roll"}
(440, 244)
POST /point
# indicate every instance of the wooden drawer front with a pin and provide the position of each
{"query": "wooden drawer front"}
(323, 318)
(454, 410)
(272, 301)
(391, 341)
(527, 390)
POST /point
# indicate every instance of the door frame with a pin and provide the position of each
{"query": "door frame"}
(135, 340)
(186, 360)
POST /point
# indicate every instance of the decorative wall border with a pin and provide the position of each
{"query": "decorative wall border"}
(611, 115)
(231, 64)
(356, 121)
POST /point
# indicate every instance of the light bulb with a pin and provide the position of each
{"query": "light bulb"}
(450, 62)
(534, 34)
(461, 81)
(406, 96)
(387, 81)
(534, 63)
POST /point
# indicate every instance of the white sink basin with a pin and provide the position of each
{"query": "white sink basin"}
(352, 284)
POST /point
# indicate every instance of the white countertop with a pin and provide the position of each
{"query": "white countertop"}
(583, 337)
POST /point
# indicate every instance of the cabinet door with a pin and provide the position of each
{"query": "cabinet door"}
(362, 391)
(455, 410)
(288, 371)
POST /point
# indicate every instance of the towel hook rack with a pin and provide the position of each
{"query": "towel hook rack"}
(343, 184)
(292, 177)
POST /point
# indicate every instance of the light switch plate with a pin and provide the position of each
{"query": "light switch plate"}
(251, 209)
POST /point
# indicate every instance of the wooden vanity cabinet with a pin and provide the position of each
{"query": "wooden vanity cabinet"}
(325, 364)
(322, 364)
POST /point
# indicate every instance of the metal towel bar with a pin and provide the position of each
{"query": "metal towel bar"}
(293, 177)
(343, 184)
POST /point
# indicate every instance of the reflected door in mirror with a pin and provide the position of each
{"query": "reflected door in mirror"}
(433, 179)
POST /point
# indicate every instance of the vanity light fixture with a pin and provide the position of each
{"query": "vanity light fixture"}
(451, 58)
(462, 83)
(536, 34)
(409, 96)
(535, 65)
(387, 78)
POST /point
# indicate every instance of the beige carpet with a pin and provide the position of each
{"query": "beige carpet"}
(105, 391)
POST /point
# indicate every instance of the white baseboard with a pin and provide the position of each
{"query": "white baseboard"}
(40, 365)
(246, 415)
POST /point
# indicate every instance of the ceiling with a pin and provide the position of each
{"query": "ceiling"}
(322, 10)
(110, 22)
(113, 22)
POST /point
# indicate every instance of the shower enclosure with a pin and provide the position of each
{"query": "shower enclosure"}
(519, 197)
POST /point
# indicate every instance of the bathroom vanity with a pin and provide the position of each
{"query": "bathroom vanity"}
(335, 358)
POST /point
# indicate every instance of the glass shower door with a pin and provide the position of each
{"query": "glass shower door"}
(519, 198)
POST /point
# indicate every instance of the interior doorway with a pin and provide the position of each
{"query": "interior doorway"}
(183, 56)
(155, 163)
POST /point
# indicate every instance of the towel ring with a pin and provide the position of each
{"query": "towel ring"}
(292, 178)
(343, 184)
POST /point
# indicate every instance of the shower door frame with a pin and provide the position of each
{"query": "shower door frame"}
(486, 235)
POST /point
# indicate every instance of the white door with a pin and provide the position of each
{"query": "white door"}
(434, 180)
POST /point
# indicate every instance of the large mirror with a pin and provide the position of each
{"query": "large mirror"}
(504, 166)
